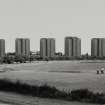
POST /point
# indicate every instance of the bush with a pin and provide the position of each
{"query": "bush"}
(45, 91)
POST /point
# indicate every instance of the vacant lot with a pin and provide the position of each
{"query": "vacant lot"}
(62, 74)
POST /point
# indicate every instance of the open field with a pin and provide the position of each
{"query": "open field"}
(15, 99)
(62, 74)
(3, 104)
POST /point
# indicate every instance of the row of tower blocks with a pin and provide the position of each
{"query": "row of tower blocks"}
(48, 49)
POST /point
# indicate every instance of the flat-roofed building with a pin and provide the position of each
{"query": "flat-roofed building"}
(72, 47)
(22, 46)
(2, 47)
(47, 47)
(98, 47)
(27, 46)
(103, 47)
(43, 47)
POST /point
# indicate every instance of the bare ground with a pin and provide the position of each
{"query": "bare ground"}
(16, 99)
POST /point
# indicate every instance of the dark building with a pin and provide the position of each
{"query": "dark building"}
(22, 46)
(47, 47)
(98, 47)
(2, 47)
(72, 47)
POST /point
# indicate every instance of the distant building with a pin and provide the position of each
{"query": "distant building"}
(43, 47)
(22, 46)
(72, 47)
(98, 47)
(47, 47)
(2, 47)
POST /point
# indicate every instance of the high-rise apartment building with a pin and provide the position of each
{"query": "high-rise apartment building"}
(22, 46)
(98, 47)
(2, 47)
(43, 47)
(47, 47)
(72, 47)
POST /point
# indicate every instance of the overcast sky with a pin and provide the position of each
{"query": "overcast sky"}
(35, 19)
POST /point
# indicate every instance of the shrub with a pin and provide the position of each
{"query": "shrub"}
(45, 91)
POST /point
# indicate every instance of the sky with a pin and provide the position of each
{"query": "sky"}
(57, 19)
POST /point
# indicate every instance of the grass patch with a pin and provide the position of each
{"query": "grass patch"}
(45, 91)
